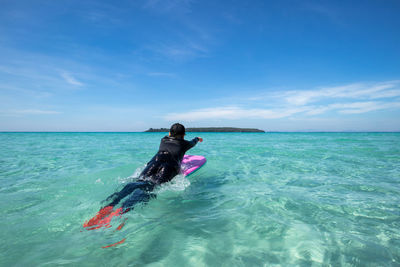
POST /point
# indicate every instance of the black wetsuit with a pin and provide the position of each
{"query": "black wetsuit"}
(164, 166)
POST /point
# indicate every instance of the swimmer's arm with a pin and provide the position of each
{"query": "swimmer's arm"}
(194, 141)
(197, 139)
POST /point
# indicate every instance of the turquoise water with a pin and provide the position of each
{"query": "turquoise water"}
(273, 199)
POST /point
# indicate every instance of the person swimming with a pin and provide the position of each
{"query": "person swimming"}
(164, 166)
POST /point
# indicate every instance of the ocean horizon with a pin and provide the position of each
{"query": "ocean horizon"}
(262, 199)
(201, 132)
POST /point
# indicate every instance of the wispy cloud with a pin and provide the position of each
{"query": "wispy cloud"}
(187, 38)
(161, 74)
(25, 71)
(331, 12)
(164, 6)
(36, 111)
(355, 107)
(71, 79)
(233, 113)
(18, 112)
(348, 99)
(182, 51)
(43, 76)
(31, 93)
(351, 91)
(363, 107)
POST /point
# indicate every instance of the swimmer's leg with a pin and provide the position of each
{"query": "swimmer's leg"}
(128, 189)
(138, 196)
(104, 216)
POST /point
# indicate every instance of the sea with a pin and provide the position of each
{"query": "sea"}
(262, 199)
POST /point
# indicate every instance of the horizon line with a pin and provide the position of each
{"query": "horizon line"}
(345, 131)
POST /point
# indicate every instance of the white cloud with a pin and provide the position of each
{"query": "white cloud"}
(194, 38)
(354, 107)
(161, 74)
(185, 50)
(351, 91)
(348, 99)
(362, 107)
(36, 111)
(233, 113)
(70, 79)
(169, 6)
(28, 112)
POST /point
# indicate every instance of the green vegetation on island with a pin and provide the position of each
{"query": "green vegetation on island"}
(211, 129)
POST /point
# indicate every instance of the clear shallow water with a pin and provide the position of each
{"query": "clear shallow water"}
(262, 199)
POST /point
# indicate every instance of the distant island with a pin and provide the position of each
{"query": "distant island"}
(211, 129)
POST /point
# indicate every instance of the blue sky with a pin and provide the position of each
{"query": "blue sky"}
(131, 65)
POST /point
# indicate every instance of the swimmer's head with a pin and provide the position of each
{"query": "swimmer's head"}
(177, 130)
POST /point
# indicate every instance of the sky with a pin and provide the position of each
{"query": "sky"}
(288, 65)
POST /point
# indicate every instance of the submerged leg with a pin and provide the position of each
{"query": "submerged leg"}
(128, 189)
(104, 216)
(139, 195)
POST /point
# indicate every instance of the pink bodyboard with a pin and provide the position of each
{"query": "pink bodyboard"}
(192, 163)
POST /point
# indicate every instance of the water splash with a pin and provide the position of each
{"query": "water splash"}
(179, 183)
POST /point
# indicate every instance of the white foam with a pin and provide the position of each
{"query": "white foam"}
(178, 183)
(131, 178)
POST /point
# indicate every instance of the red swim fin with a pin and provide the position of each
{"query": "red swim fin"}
(112, 245)
(118, 228)
(99, 216)
(122, 224)
(102, 218)
(106, 221)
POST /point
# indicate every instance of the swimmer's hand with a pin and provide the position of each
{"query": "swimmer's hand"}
(200, 139)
